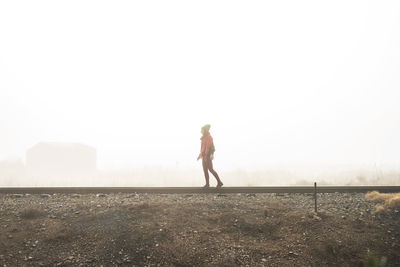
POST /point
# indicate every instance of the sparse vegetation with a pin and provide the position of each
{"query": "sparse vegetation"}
(389, 200)
(379, 208)
(375, 261)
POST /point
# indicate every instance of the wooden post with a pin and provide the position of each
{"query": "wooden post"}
(315, 196)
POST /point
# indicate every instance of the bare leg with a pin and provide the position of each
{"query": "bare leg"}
(205, 169)
(211, 169)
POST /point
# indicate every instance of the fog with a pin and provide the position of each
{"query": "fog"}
(295, 92)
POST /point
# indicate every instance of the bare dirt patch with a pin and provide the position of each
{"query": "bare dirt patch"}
(31, 213)
(195, 230)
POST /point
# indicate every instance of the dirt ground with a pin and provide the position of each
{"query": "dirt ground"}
(195, 230)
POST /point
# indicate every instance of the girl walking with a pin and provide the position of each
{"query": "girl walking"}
(207, 155)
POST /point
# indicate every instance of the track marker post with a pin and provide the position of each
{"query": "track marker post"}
(315, 197)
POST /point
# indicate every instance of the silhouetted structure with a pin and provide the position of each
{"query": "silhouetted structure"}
(61, 159)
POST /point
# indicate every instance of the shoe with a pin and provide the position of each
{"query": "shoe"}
(219, 185)
(206, 186)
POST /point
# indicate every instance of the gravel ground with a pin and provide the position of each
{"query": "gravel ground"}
(195, 230)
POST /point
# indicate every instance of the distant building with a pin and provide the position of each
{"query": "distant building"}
(61, 159)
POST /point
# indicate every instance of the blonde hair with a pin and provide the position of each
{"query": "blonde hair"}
(206, 127)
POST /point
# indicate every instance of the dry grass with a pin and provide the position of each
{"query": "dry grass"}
(389, 200)
(379, 208)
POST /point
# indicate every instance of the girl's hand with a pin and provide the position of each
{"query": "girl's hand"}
(199, 157)
(212, 156)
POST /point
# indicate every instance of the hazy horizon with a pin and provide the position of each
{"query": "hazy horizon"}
(283, 86)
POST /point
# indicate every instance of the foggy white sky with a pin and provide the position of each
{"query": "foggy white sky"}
(281, 82)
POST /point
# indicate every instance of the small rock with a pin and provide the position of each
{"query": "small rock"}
(317, 218)
(45, 195)
(264, 260)
(100, 195)
(17, 195)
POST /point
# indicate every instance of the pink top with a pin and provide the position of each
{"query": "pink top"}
(206, 142)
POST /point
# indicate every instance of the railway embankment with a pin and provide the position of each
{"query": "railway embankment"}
(189, 229)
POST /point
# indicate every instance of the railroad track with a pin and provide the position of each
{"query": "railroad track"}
(198, 190)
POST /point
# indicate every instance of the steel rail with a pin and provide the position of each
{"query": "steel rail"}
(197, 190)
